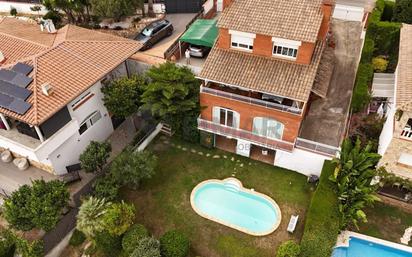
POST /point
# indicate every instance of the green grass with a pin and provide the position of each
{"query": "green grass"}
(163, 202)
(386, 222)
(322, 221)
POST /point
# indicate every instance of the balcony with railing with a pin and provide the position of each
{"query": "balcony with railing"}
(316, 147)
(254, 98)
(223, 130)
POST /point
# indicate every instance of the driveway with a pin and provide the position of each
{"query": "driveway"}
(179, 22)
(327, 117)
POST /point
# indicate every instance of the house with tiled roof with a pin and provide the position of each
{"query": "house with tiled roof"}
(395, 142)
(50, 100)
(260, 77)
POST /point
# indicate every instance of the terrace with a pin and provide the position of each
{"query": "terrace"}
(254, 98)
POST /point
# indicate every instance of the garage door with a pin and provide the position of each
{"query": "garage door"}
(348, 13)
(183, 6)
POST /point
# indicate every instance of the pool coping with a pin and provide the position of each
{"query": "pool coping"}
(242, 188)
(344, 237)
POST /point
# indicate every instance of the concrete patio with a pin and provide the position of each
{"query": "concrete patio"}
(326, 120)
(11, 178)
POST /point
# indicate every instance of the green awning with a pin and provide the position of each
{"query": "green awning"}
(202, 32)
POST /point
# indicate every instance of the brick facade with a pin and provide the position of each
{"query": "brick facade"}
(305, 53)
(248, 112)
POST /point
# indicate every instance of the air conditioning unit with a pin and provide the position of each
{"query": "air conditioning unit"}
(47, 89)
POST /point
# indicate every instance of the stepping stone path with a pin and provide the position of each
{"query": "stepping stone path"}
(184, 149)
(233, 159)
(179, 147)
(208, 155)
(200, 153)
(193, 150)
(224, 156)
(216, 156)
(407, 236)
(166, 142)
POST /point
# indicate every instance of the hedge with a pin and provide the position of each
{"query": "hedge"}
(322, 220)
(361, 96)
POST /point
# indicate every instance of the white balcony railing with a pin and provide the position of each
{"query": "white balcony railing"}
(316, 147)
(250, 100)
(223, 130)
(407, 133)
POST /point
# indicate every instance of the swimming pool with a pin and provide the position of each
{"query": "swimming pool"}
(229, 203)
(371, 248)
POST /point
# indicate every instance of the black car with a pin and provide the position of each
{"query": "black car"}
(153, 33)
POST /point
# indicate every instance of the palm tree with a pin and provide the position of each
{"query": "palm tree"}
(89, 219)
(353, 175)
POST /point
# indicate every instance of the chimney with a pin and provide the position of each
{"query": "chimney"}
(47, 89)
(327, 7)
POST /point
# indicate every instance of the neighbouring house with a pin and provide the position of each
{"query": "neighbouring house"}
(395, 142)
(260, 78)
(50, 100)
(22, 6)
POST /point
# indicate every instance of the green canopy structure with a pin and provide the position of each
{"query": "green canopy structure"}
(202, 32)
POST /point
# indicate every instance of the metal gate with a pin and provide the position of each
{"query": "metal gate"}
(183, 6)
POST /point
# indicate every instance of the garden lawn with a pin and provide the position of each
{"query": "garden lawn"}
(386, 222)
(163, 202)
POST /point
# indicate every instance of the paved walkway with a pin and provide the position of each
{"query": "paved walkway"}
(327, 118)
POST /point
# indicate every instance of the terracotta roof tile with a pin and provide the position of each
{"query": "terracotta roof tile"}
(265, 74)
(290, 19)
(404, 78)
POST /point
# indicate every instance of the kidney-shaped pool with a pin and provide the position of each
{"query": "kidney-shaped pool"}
(229, 203)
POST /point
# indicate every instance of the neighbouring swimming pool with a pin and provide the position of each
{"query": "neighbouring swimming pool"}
(229, 203)
(365, 248)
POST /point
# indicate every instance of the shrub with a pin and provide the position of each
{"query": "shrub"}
(134, 234)
(174, 244)
(106, 187)
(147, 247)
(29, 249)
(36, 206)
(7, 244)
(55, 16)
(368, 50)
(403, 11)
(109, 245)
(206, 139)
(77, 238)
(118, 217)
(190, 132)
(361, 96)
(388, 11)
(322, 221)
(13, 11)
(379, 64)
(95, 156)
(131, 167)
(89, 219)
(288, 249)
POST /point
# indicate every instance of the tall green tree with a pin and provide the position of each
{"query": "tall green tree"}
(95, 156)
(122, 96)
(75, 10)
(130, 168)
(172, 93)
(118, 218)
(116, 9)
(353, 175)
(403, 11)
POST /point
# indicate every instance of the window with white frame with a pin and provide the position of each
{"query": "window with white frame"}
(90, 121)
(226, 117)
(268, 128)
(286, 51)
(242, 40)
(285, 48)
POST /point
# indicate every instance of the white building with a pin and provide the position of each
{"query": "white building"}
(50, 97)
(395, 142)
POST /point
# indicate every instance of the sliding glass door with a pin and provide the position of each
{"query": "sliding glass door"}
(226, 117)
(268, 128)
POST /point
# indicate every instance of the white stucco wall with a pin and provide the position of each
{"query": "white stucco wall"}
(304, 162)
(387, 130)
(69, 151)
(20, 7)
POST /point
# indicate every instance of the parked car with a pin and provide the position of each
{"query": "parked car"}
(153, 33)
(199, 51)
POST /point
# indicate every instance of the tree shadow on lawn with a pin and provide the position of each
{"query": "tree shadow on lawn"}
(163, 202)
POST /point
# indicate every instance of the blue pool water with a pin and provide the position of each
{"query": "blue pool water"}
(362, 248)
(230, 206)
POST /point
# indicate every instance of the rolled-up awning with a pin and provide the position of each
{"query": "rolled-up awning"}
(202, 32)
(383, 85)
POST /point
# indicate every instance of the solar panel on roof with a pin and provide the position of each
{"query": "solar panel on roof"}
(5, 100)
(21, 80)
(22, 68)
(13, 90)
(19, 106)
(7, 75)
